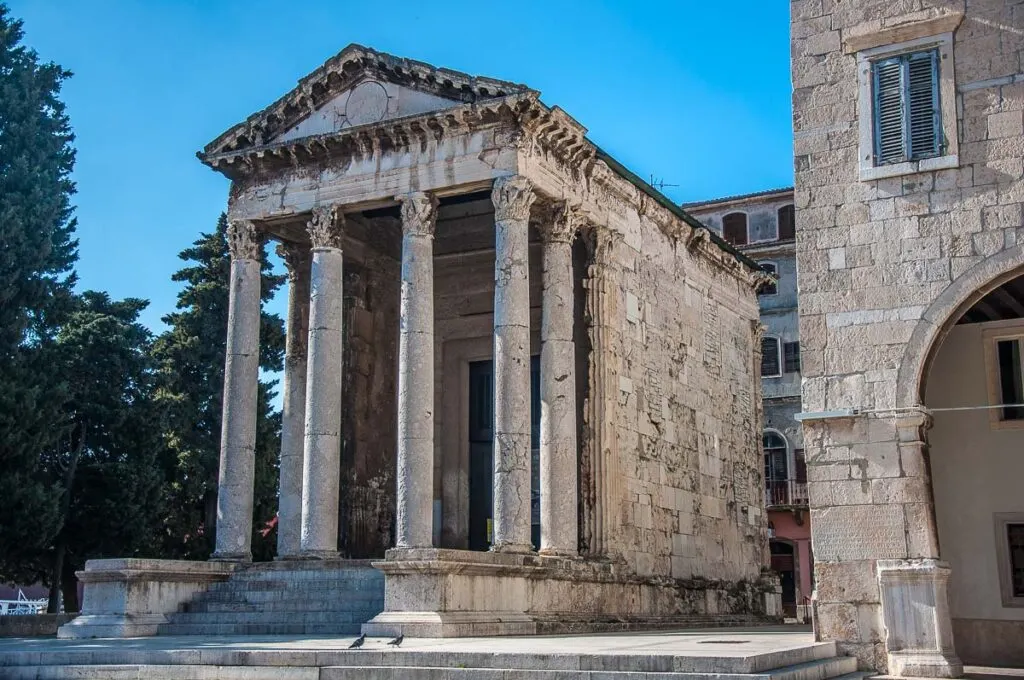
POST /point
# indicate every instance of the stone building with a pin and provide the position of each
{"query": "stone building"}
(909, 145)
(517, 376)
(761, 226)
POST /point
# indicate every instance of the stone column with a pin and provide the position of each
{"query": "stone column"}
(512, 198)
(415, 492)
(241, 375)
(558, 457)
(293, 410)
(321, 464)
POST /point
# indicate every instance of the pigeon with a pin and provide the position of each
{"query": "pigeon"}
(358, 642)
(397, 641)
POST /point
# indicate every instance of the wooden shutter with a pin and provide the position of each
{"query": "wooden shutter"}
(734, 228)
(800, 463)
(889, 115)
(791, 352)
(923, 104)
(787, 223)
(770, 357)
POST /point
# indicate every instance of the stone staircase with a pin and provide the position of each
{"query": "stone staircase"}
(709, 656)
(331, 597)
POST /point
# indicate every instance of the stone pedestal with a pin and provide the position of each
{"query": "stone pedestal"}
(415, 481)
(460, 593)
(322, 452)
(131, 597)
(915, 609)
(512, 198)
(241, 383)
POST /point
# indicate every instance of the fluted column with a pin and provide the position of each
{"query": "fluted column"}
(558, 458)
(293, 409)
(241, 375)
(512, 198)
(321, 464)
(416, 375)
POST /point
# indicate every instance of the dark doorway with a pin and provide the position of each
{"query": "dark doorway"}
(784, 563)
(481, 453)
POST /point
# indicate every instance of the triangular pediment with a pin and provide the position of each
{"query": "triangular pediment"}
(359, 86)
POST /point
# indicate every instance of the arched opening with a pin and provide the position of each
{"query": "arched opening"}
(973, 385)
(776, 467)
(784, 563)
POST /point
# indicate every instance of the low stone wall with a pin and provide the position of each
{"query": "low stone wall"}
(32, 625)
(456, 593)
(990, 642)
(131, 597)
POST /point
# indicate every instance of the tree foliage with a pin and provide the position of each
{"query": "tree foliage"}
(191, 355)
(37, 255)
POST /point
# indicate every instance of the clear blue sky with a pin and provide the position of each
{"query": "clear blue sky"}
(695, 92)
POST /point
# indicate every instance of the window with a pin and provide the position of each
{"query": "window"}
(734, 228)
(791, 357)
(1010, 379)
(773, 287)
(908, 108)
(1010, 554)
(1005, 374)
(787, 223)
(776, 468)
(908, 122)
(771, 360)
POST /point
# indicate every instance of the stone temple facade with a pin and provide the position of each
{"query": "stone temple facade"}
(909, 144)
(517, 377)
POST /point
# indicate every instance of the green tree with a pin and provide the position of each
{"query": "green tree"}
(37, 255)
(191, 356)
(107, 464)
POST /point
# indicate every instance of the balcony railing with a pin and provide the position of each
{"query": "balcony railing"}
(785, 493)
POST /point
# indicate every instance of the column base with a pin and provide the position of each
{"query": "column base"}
(316, 555)
(231, 557)
(925, 665)
(513, 548)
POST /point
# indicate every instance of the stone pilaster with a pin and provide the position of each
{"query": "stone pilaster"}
(512, 198)
(559, 471)
(321, 465)
(293, 409)
(415, 482)
(241, 375)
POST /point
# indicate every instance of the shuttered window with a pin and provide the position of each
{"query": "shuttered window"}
(771, 361)
(791, 356)
(734, 228)
(773, 287)
(787, 223)
(907, 118)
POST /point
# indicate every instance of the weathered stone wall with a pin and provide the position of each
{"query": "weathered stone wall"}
(684, 343)
(882, 266)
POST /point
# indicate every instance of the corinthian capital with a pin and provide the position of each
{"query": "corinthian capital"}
(326, 227)
(512, 198)
(244, 240)
(419, 213)
(563, 223)
(297, 257)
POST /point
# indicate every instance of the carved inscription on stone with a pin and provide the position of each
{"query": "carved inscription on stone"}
(851, 532)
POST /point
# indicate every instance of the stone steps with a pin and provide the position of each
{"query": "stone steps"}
(836, 668)
(261, 627)
(280, 605)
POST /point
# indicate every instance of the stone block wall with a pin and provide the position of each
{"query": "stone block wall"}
(884, 265)
(683, 345)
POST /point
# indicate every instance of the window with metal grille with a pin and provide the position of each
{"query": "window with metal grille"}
(773, 287)
(791, 357)
(787, 223)
(771, 361)
(907, 119)
(734, 228)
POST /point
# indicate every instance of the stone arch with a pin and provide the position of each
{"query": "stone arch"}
(943, 313)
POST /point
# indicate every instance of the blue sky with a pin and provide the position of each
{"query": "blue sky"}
(695, 93)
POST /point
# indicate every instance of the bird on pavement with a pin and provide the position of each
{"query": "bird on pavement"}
(358, 642)
(397, 641)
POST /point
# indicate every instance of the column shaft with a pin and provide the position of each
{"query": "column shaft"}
(512, 198)
(321, 464)
(558, 456)
(293, 409)
(415, 492)
(241, 375)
